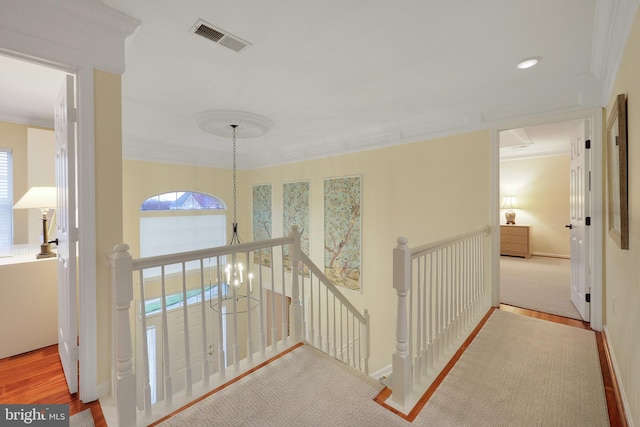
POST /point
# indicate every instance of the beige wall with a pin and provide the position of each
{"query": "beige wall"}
(41, 151)
(423, 191)
(542, 187)
(14, 136)
(108, 190)
(622, 267)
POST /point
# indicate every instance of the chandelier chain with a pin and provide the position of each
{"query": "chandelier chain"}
(235, 198)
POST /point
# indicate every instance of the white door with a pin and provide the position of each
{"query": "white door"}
(580, 190)
(65, 130)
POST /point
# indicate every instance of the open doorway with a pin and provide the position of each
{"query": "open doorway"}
(34, 121)
(536, 184)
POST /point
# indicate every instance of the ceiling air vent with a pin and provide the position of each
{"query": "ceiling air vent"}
(219, 36)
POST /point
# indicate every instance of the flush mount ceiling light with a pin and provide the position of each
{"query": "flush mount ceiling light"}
(528, 63)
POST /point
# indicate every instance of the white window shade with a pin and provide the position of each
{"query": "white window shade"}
(6, 202)
(162, 235)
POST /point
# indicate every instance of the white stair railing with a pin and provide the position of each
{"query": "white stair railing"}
(441, 298)
(331, 323)
(191, 331)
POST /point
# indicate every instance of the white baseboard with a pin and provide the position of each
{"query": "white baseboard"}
(384, 372)
(104, 389)
(625, 402)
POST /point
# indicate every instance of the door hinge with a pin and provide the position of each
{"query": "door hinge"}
(587, 144)
(587, 297)
(587, 220)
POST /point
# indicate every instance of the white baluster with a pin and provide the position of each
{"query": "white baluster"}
(222, 345)
(274, 327)
(145, 350)
(203, 312)
(249, 285)
(125, 377)
(168, 383)
(263, 320)
(295, 310)
(401, 363)
(187, 346)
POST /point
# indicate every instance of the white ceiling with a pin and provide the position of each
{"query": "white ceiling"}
(336, 76)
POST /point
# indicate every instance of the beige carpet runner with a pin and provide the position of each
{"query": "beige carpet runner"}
(517, 372)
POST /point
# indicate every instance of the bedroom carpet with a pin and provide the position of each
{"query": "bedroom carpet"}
(538, 283)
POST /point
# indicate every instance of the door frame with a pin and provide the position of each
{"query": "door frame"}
(94, 38)
(87, 319)
(595, 203)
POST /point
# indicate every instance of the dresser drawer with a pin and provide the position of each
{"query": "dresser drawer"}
(510, 230)
(515, 240)
(520, 248)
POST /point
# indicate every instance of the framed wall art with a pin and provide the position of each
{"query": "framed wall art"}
(295, 211)
(342, 231)
(617, 178)
(262, 220)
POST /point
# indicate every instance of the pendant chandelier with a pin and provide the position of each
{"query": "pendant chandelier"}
(235, 282)
(234, 272)
(233, 287)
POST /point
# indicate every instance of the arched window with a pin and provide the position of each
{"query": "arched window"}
(181, 221)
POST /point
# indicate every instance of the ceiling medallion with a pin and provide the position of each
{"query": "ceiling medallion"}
(219, 122)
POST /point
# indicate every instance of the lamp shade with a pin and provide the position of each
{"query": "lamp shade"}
(38, 197)
(510, 202)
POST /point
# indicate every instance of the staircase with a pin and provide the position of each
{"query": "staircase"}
(187, 323)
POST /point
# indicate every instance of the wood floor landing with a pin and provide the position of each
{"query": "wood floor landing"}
(36, 377)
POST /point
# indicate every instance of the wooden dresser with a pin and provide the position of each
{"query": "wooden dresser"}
(515, 240)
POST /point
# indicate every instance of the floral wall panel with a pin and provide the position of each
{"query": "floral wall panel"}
(295, 211)
(342, 231)
(262, 219)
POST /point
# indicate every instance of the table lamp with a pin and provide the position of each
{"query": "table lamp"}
(510, 203)
(43, 198)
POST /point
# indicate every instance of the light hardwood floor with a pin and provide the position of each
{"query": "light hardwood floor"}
(37, 377)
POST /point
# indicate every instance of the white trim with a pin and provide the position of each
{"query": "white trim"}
(380, 373)
(494, 199)
(86, 202)
(597, 175)
(612, 27)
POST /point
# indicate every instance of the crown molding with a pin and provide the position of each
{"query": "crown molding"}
(612, 26)
(66, 32)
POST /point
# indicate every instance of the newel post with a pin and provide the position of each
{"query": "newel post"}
(295, 311)
(401, 364)
(124, 374)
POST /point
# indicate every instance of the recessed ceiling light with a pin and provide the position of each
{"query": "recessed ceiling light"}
(528, 63)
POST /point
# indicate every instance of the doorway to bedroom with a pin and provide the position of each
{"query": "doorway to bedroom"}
(536, 216)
